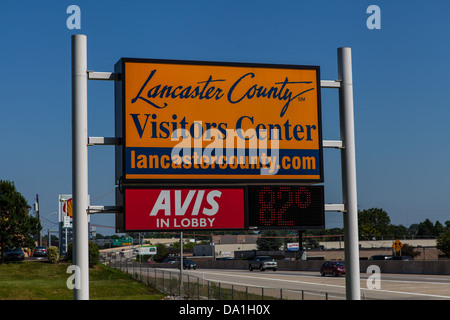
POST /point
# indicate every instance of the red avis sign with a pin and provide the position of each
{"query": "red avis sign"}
(184, 208)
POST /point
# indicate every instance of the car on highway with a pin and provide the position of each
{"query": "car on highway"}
(335, 268)
(188, 264)
(403, 258)
(381, 257)
(40, 251)
(262, 263)
(170, 260)
(14, 254)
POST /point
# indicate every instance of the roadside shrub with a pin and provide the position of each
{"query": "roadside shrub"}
(53, 254)
(443, 242)
(94, 254)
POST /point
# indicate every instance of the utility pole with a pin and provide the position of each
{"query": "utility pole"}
(300, 244)
(37, 214)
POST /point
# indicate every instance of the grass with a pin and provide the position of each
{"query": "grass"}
(41, 280)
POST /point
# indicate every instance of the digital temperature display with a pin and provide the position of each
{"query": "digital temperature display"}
(286, 207)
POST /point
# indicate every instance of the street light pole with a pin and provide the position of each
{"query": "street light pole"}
(80, 166)
(348, 163)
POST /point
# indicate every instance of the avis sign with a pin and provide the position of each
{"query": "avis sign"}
(164, 209)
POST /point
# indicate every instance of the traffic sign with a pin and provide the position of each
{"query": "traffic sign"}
(397, 245)
(147, 250)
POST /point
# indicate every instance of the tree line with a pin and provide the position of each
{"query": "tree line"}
(373, 224)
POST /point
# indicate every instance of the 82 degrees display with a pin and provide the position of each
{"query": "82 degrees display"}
(286, 207)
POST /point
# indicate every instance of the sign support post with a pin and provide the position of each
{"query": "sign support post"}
(80, 167)
(348, 163)
(181, 263)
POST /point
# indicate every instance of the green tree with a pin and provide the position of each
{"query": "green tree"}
(426, 229)
(438, 229)
(413, 229)
(399, 231)
(269, 240)
(443, 242)
(161, 252)
(16, 224)
(94, 254)
(373, 223)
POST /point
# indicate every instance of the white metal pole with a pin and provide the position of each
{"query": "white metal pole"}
(181, 263)
(80, 166)
(348, 162)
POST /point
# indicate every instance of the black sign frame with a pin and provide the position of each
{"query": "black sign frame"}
(274, 207)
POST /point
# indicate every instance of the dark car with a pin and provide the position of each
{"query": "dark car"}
(15, 254)
(40, 252)
(403, 258)
(170, 260)
(188, 264)
(335, 268)
(381, 257)
(262, 263)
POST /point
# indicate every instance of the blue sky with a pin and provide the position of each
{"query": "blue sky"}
(399, 72)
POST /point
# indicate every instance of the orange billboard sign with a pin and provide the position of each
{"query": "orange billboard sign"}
(204, 121)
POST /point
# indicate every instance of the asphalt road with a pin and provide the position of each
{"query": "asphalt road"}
(310, 285)
(314, 286)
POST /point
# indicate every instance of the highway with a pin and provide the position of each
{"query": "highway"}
(314, 286)
(310, 285)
